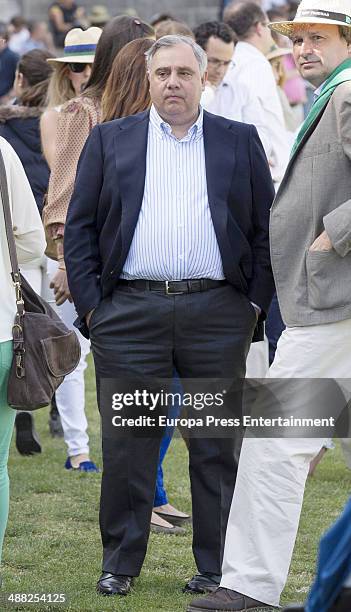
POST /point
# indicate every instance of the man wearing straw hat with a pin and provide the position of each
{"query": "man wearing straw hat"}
(310, 233)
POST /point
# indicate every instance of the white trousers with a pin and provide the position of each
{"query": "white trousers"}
(70, 396)
(268, 495)
(257, 362)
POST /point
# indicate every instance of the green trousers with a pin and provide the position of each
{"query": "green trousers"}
(7, 419)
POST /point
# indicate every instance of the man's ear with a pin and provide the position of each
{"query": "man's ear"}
(204, 80)
(258, 28)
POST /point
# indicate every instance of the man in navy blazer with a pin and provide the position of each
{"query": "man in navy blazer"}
(167, 256)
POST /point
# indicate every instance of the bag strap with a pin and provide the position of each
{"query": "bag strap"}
(17, 329)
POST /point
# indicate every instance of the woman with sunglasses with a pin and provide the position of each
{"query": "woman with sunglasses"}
(75, 121)
(70, 75)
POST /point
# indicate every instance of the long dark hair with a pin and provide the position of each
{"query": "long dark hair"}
(127, 89)
(36, 75)
(115, 35)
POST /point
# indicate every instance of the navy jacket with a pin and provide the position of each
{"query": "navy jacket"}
(108, 193)
(19, 125)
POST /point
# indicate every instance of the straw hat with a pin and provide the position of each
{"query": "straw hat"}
(332, 12)
(276, 51)
(99, 14)
(79, 46)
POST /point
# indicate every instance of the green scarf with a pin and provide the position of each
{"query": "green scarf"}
(341, 74)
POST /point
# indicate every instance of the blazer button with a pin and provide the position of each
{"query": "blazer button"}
(112, 272)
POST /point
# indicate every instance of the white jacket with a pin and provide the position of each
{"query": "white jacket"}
(28, 230)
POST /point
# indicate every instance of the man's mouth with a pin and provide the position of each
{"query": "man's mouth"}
(309, 64)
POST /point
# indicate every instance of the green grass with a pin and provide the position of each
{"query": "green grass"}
(53, 542)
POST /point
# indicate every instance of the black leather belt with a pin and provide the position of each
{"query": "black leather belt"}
(174, 287)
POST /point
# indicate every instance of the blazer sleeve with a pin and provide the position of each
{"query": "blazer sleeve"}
(81, 243)
(261, 287)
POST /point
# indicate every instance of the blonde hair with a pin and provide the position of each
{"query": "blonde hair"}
(60, 88)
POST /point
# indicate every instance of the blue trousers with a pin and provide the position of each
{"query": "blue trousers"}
(160, 492)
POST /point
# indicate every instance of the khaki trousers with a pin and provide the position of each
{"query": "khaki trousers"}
(268, 495)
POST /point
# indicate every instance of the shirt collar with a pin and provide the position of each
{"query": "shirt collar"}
(318, 91)
(163, 129)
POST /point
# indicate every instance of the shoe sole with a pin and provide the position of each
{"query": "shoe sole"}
(26, 443)
(167, 530)
(111, 594)
(174, 520)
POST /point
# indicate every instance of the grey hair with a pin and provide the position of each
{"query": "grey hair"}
(172, 40)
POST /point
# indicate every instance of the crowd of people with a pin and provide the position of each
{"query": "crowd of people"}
(181, 196)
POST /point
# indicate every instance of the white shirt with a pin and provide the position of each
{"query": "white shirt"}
(29, 234)
(238, 104)
(254, 71)
(174, 238)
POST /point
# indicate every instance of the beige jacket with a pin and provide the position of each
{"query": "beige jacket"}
(315, 194)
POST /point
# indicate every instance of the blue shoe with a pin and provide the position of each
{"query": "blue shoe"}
(84, 466)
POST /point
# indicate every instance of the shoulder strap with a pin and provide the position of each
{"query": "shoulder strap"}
(8, 220)
(17, 330)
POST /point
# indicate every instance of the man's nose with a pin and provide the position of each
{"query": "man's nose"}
(306, 47)
(173, 80)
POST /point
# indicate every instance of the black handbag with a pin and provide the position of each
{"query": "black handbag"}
(44, 349)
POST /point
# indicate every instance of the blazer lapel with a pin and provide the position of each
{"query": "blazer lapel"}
(220, 144)
(130, 154)
(302, 143)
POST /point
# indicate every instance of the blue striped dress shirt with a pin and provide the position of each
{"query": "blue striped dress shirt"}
(174, 237)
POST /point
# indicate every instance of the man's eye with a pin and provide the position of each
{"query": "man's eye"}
(185, 73)
(297, 41)
(316, 37)
(162, 74)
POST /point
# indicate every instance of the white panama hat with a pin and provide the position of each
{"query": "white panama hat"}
(79, 46)
(331, 12)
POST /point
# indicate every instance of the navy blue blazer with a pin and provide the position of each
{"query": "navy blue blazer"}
(108, 193)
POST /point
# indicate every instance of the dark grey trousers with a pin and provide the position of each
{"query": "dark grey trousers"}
(202, 335)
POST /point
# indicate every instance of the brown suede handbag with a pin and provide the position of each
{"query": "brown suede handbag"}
(44, 349)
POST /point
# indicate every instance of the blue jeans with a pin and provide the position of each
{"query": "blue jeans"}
(160, 492)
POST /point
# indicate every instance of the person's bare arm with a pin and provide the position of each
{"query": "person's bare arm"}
(56, 17)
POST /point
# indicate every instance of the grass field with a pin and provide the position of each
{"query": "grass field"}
(53, 543)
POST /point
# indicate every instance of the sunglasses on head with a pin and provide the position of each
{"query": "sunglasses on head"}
(77, 67)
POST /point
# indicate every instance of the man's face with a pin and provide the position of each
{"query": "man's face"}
(318, 49)
(219, 57)
(175, 83)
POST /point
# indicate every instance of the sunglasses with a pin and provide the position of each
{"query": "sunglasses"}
(77, 68)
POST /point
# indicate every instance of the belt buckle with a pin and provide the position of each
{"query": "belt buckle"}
(168, 292)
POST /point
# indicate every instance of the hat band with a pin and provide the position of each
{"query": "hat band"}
(327, 14)
(77, 50)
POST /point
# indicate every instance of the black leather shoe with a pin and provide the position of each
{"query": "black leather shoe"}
(202, 583)
(27, 439)
(113, 584)
(228, 601)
